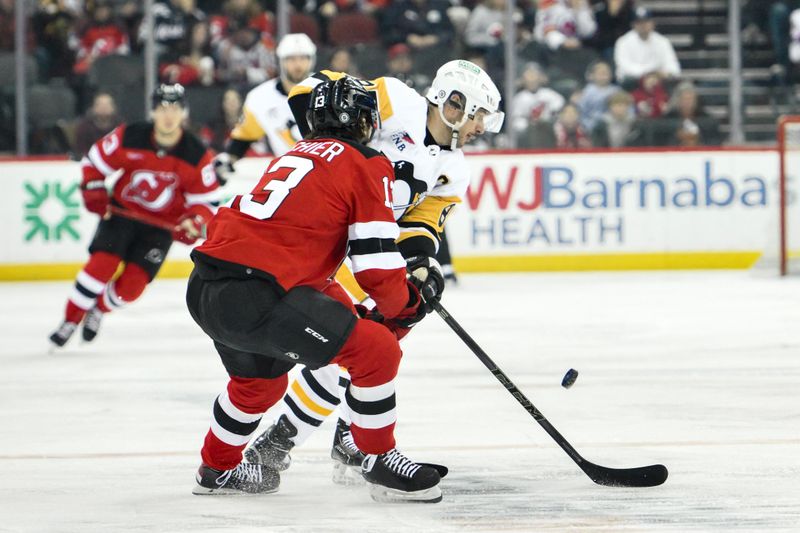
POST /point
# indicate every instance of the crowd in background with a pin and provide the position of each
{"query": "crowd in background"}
(592, 73)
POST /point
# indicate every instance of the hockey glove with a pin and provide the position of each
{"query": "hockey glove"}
(413, 312)
(223, 167)
(426, 275)
(189, 228)
(95, 197)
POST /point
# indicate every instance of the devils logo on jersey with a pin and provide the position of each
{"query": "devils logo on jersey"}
(152, 190)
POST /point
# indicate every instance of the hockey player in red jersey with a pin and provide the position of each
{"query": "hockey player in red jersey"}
(166, 190)
(263, 290)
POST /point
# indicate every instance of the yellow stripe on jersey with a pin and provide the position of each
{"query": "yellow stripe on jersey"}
(378, 85)
(346, 279)
(248, 129)
(308, 402)
(432, 211)
(286, 135)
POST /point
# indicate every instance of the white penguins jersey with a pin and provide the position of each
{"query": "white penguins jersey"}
(266, 112)
(429, 179)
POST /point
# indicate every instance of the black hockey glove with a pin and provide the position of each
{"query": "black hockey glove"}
(223, 167)
(426, 275)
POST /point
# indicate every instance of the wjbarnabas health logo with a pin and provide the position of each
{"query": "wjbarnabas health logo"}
(51, 210)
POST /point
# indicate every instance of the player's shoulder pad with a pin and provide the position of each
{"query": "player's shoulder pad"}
(363, 149)
(138, 135)
(190, 149)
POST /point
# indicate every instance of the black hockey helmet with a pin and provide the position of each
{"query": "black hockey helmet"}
(343, 108)
(169, 94)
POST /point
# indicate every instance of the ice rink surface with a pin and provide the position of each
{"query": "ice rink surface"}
(696, 370)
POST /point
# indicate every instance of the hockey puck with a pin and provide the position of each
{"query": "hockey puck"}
(569, 378)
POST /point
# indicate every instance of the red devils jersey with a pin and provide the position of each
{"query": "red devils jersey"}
(164, 184)
(321, 200)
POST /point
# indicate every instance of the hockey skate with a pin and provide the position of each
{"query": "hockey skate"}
(60, 336)
(272, 447)
(347, 458)
(246, 478)
(91, 324)
(394, 478)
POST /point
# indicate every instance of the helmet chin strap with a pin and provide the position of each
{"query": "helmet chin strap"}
(454, 127)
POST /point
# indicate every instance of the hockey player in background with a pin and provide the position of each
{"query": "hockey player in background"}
(266, 112)
(423, 139)
(166, 190)
(263, 290)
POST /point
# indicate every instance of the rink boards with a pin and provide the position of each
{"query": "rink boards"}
(524, 211)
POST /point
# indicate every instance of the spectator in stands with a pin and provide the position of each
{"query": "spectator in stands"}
(614, 19)
(194, 63)
(8, 28)
(568, 130)
(593, 100)
(484, 30)
(342, 61)
(249, 10)
(400, 65)
(100, 119)
(216, 133)
(651, 97)
(534, 102)
(643, 50)
(794, 37)
(618, 127)
(421, 24)
(172, 20)
(53, 24)
(693, 126)
(103, 36)
(243, 59)
(564, 23)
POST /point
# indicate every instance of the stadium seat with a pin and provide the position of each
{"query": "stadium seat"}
(8, 72)
(352, 28)
(204, 103)
(304, 23)
(48, 104)
(117, 70)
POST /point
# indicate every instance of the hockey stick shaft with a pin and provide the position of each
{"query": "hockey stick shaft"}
(634, 477)
(141, 217)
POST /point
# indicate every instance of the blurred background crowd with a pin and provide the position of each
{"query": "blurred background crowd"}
(590, 73)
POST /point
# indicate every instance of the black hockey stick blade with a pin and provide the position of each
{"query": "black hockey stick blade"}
(645, 476)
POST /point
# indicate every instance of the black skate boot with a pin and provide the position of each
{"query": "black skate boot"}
(60, 336)
(91, 324)
(246, 478)
(272, 447)
(347, 458)
(393, 477)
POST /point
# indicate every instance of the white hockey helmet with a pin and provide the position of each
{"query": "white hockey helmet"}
(477, 88)
(296, 44)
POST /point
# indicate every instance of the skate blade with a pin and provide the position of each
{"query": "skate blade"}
(347, 476)
(383, 494)
(200, 490)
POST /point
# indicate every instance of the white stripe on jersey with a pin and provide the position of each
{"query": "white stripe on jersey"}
(81, 300)
(89, 282)
(226, 436)
(372, 394)
(380, 261)
(234, 412)
(373, 230)
(201, 198)
(373, 421)
(99, 163)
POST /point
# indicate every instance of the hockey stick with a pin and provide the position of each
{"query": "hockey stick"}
(645, 476)
(141, 217)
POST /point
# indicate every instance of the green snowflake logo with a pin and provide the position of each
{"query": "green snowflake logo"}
(51, 211)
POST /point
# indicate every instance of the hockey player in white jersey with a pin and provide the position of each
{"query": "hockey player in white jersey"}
(265, 112)
(422, 136)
